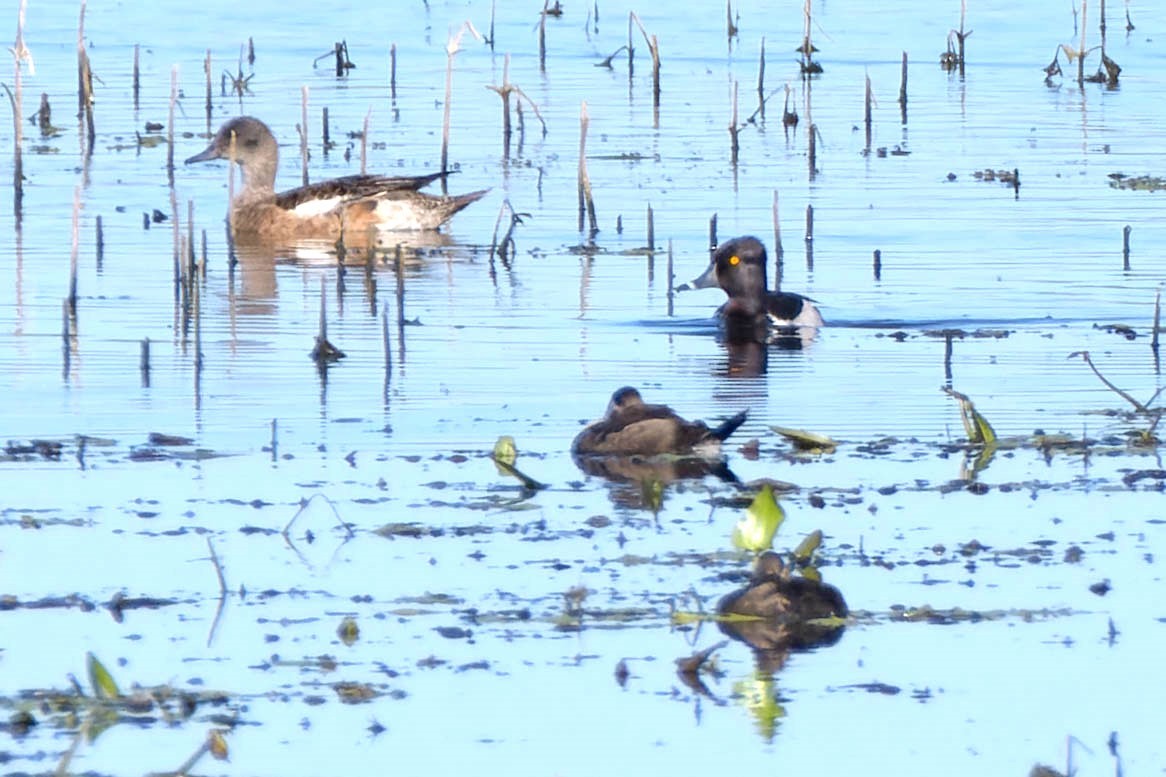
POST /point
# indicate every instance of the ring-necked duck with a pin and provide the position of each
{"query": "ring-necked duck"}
(739, 268)
(353, 204)
(631, 427)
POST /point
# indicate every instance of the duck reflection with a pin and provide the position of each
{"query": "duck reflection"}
(257, 261)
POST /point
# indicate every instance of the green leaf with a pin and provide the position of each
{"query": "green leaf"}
(100, 679)
(806, 547)
(505, 450)
(756, 530)
(807, 441)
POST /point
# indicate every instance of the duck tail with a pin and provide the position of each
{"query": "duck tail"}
(723, 431)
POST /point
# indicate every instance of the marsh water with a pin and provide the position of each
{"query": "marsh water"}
(1006, 608)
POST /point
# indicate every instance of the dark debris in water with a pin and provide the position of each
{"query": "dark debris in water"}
(1138, 183)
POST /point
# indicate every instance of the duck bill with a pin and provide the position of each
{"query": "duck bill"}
(705, 280)
(206, 155)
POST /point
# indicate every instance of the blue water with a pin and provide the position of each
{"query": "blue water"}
(535, 348)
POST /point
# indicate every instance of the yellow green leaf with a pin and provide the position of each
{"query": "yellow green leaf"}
(807, 546)
(806, 441)
(505, 450)
(100, 679)
(756, 530)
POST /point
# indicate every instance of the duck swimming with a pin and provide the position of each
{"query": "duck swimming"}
(631, 427)
(354, 204)
(739, 268)
(773, 593)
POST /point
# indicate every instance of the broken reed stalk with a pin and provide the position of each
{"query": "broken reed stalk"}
(878, 265)
(654, 50)
(19, 54)
(73, 256)
(671, 277)
(586, 201)
(867, 112)
(177, 249)
(1125, 247)
(809, 237)
(631, 49)
(778, 250)
(206, 68)
(364, 142)
(393, 72)
(734, 145)
(542, 37)
(903, 90)
(100, 243)
(651, 230)
(170, 127)
(327, 141)
(85, 87)
(490, 37)
(1081, 50)
(761, 81)
(304, 133)
(452, 46)
(713, 233)
(386, 341)
(1157, 320)
(144, 362)
(191, 260)
(137, 74)
(814, 149)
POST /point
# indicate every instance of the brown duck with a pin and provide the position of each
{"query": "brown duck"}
(788, 613)
(354, 204)
(631, 427)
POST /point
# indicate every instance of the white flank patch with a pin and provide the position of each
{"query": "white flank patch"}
(403, 214)
(312, 208)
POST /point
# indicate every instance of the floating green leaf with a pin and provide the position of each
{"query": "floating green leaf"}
(100, 679)
(762, 518)
(348, 631)
(505, 450)
(806, 547)
(807, 441)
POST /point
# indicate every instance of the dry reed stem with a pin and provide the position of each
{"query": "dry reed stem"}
(734, 145)
(170, 126)
(74, 250)
(671, 277)
(1081, 50)
(778, 249)
(542, 37)
(813, 150)
(364, 142)
(761, 79)
(303, 128)
(654, 50)
(1157, 319)
(206, 68)
(868, 118)
(651, 230)
(100, 243)
(137, 78)
(451, 48)
(586, 201)
(20, 54)
(386, 341)
(393, 72)
(85, 88)
(144, 362)
(713, 233)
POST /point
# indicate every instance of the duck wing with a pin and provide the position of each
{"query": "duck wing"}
(353, 187)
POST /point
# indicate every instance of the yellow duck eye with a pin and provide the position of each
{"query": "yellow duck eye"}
(734, 260)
